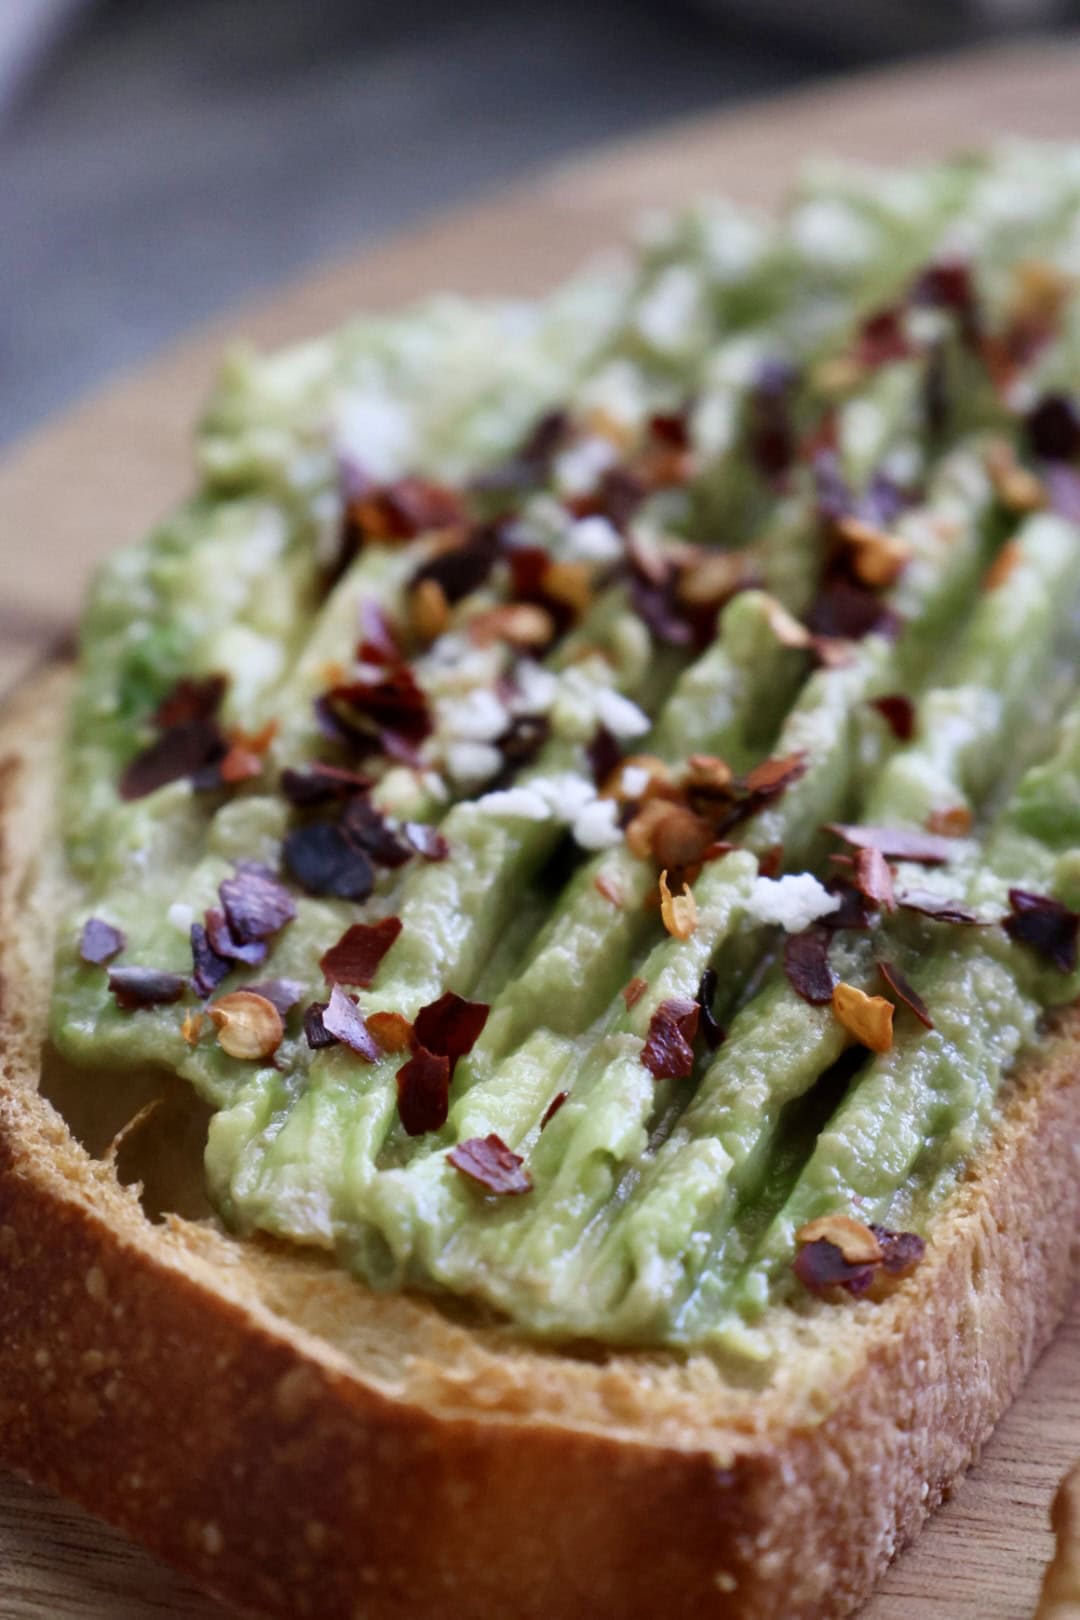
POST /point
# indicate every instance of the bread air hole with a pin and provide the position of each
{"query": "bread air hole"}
(147, 1123)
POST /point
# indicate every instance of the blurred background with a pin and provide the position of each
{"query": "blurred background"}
(162, 159)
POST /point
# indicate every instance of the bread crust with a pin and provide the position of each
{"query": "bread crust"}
(301, 1447)
(1060, 1598)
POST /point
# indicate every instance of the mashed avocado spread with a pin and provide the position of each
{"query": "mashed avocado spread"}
(589, 791)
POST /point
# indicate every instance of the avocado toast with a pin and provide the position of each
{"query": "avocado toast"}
(585, 799)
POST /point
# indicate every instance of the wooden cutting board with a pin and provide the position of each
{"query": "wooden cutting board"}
(105, 471)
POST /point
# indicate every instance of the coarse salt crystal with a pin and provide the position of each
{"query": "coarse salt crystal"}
(794, 902)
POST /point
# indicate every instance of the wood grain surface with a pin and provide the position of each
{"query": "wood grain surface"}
(106, 470)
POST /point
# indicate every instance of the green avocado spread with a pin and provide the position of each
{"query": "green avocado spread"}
(588, 792)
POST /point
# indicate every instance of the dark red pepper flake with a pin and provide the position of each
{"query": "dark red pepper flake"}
(182, 751)
(1053, 427)
(402, 510)
(423, 1091)
(949, 284)
(136, 987)
(668, 1053)
(898, 843)
(342, 1019)
(1045, 925)
(491, 1164)
(882, 338)
(356, 957)
(620, 495)
(368, 829)
(846, 611)
(318, 783)
(323, 860)
(99, 941)
(315, 1030)
(192, 698)
(208, 967)
(899, 713)
(770, 427)
(530, 464)
(712, 1033)
(603, 753)
(774, 776)
(520, 742)
(854, 911)
(633, 992)
(771, 861)
(821, 1267)
(256, 904)
(427, 841)
(902, 987)
(284, 994)
(224, 944)
(872, 876)
(671, 428)
(553, 1108)
(463, 568)
(900, 1251)
(937, 906)
(806, 966)
(391, 702)
(450, 1026)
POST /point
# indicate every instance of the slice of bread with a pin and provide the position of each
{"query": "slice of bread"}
(303, 1447)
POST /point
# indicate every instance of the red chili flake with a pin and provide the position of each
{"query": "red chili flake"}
(491, 1164)
(368, 829)
(423, 1090)
(771, 428)
(342, 1019)
(553, 1108)
(771, 861)
(603, 753)
(1053, 427)
(451, 1026)
(806, 966)
(618, 498)
(882, 338)
(463, 568)
(223, 943)
(668, 1053)
(392, 702)
(774, 776)
(821, 1267)
(256, 904)
(899, 712)
(208, 967)
(280, 993)
(181, 751)
(659, 609)
(136, 987)
(844, 610)
(427, 841)
(99, 941)
(1046, 925)
(317, 784)
(315, 1030)
(854, 911)
(404, 509)
(323, 860)
(633, 992)
(521, 741)
(900, 1251)
(192, 698)
(712, 1032)
(902, 987)
(378, 643)
(938, 906)
(949, 284)
(356, 956)
(530, 464)
(873, 878)
(898, 843)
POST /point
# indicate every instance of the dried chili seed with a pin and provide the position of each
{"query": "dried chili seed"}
(806, 966)
(450, 1026)
(248, 1025)
(99, 941)
(392, 1030)
(491, 1164)
(668, 1053)
(902, 987)
(821, 1268)
(136, 987)
(680, 838)
(356, 957)
(1048, 927)
(678, 911)
(423, 1091)
(868, 1018)
(323, 860)
(857, 1242)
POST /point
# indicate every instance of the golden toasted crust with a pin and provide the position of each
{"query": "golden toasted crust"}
(1060, 1598)
(303, 1447)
